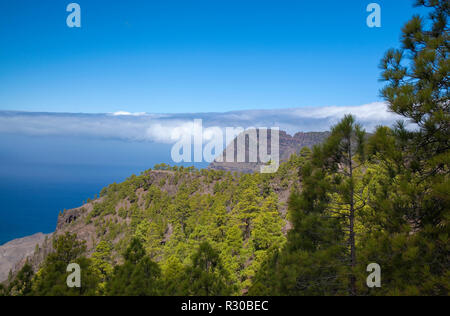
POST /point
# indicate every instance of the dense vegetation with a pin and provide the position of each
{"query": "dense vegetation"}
(180, 231)
(356, 199)
(384, 199)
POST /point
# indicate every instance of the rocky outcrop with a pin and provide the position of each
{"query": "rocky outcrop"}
(288, 145)
(16, 251)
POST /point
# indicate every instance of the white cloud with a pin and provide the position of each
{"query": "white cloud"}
(168, 128)
(169, 132)
(124, 113)
(366, 111)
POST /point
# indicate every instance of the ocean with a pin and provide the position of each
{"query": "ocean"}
(41, 176)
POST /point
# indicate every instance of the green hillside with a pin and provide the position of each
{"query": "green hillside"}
(316, 227)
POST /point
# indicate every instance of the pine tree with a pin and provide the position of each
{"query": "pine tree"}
(343, 154)
(101, 263)
(51, 279)
(320, 255)
(22, 284)
(206, 276)
(418, 89)
(137, 276)
(267, 225)
(174, 276)
(404, 206)
(411, 198)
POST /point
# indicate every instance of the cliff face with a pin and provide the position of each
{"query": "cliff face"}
(14, 253)
(288, 145)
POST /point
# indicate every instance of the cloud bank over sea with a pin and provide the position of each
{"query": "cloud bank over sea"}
(168, 128)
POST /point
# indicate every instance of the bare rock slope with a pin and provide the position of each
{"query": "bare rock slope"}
(15, 251)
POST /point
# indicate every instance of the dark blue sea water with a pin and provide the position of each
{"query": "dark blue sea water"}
(30, 204)
(41, 176)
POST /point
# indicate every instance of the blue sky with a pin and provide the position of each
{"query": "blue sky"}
(193, 56)
(299, 65)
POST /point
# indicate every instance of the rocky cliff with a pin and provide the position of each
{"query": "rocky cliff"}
(14, 253)
(288, 145)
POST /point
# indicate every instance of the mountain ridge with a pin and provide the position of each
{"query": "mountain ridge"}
(288, 145)
(84, 220)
